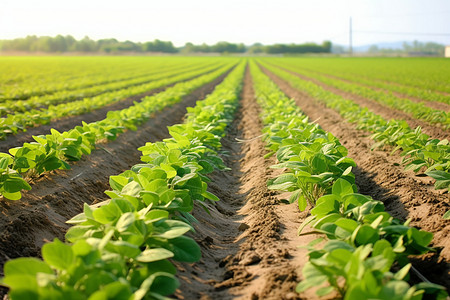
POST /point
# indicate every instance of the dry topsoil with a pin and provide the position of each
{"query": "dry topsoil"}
(40, 215)
(380, 176)
(433, 130)
(249, 240)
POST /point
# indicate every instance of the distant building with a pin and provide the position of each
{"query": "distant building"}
(447, 51)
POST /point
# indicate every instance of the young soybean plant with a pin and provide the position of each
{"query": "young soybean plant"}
(314, 158)
(123, 249)
(365, 242)
(364, 245)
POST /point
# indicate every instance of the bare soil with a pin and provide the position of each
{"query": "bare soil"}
(433, 130)
(249, 238)
(249, 242)
(41, 214)
(380, 176)
(432, 104)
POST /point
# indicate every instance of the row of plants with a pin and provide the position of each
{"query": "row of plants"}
(25, 77)
(12, 124)
(413, 91)
(365, 244)
(54, 151)
(419, 151)
(124, 247)
(67, 95)
(418, 110)
(426, 74)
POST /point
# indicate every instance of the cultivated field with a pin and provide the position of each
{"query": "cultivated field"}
(199, 178)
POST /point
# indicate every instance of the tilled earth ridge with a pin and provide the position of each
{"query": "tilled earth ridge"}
(433, 104)
(378, 175)
(433, 130)
(69, 122)
(56, 197)
(249, 241)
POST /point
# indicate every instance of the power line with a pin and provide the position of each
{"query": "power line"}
(406, 15)
(403, 33)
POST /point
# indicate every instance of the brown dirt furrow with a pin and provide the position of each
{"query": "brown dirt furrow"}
(432, 104)
(379, 175)
(69, 122)
(249, 241)
(386, 112)
(56, 197)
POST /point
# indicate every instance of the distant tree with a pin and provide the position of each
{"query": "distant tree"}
(159, 46)
(326, 45)
(86, 45)
(57, 44)
(256, 48)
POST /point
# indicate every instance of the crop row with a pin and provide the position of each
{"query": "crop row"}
(364, 241)
(419, 151)
(52, 151)
(14, 106)
(121, 249)
(17, 122)
(25, 77)
(415, 109)
(426, 74)
(413, 91)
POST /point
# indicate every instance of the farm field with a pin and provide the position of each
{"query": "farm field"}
(216, 170)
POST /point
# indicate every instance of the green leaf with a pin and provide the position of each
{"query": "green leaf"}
(446, 216)
(164, 284)
(15, 184)
(210, 196)
(123, 248)
(118, 182)
(113, 290)
(160, 283)
(185, 249)
(132, 189)
(347, 224)
(125, 221)
(324, 291)
(155, 254)
(394, 290)
(26, 266)
(171, 172)
(81, 248)
(342, 187)
(442, 178)
(302, 202)
(22, 286)
(169, 229)
(12, 196)
(282, 182)
(366, 235)
(401, 274)
(107, 213)
(57, 254)
(76, 232)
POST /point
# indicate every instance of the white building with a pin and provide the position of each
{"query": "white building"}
(447, 51)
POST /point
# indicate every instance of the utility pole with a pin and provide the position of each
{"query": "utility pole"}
(350, 48)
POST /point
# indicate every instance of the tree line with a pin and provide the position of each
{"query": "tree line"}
(60, 44)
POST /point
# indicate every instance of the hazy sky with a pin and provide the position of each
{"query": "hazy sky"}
(246, 21)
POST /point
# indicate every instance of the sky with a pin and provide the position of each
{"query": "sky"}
(237, 21)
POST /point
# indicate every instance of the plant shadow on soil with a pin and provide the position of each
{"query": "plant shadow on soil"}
(368, 186)
(217, 229)
(245, 252)
(41, 214)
